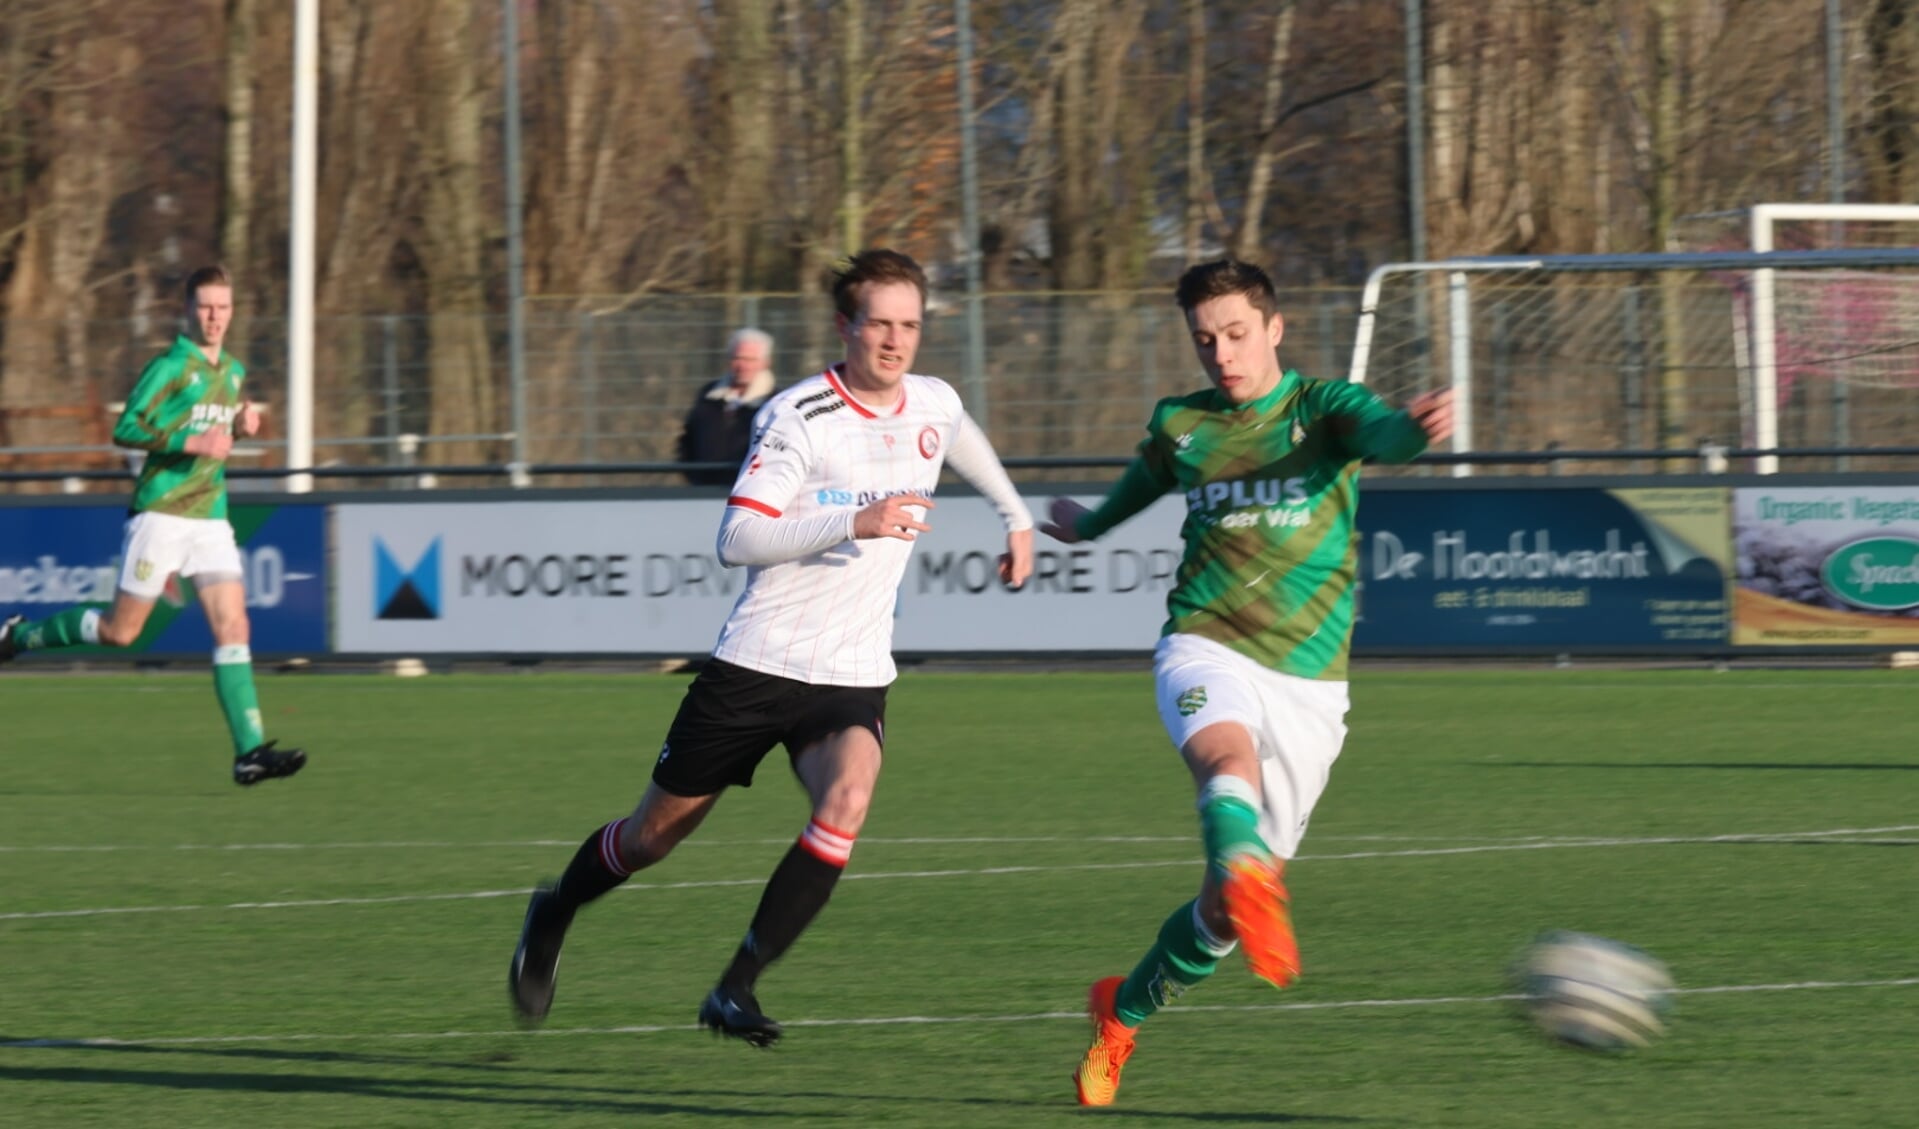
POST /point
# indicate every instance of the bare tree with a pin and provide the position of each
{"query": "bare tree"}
(71, 65)
(453, 228)
(1246, 244)
(1891, 141)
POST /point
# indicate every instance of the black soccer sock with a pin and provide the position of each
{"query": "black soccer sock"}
(794, 896)
(596, 868)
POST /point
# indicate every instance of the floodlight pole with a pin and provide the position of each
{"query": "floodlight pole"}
(1836, 189)
(300, 253)
(1416, 130)
(1835, 105)
(515, 244)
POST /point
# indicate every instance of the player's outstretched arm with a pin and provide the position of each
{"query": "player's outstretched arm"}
(1372, 429)
(1139, 487)
(1433, 412)
(972, 457)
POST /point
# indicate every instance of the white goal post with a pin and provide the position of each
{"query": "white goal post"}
(1461, 286)
(1764, 220)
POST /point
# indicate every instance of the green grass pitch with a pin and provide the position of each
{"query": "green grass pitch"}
(331, 950)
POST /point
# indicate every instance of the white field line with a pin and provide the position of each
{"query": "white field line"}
(952, 840)
(968, 872)
(1638, 681)
(893, 1020)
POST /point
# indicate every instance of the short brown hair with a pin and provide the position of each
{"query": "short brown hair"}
(1217, 279)
(215, 275)
(869, 268)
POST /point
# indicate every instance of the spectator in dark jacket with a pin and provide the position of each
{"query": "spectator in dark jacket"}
(719, 426)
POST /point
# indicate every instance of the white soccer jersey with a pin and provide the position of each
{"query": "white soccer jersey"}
(827, 618)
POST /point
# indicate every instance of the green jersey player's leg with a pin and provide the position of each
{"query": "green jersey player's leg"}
(184, 412)
(1252, 662)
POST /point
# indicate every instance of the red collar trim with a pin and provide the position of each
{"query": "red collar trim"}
(833, 378)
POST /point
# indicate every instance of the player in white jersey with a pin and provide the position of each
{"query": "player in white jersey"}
(833, 493)
(819, 456)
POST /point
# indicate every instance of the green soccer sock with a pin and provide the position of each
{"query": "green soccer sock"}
(75, 627)
(1229, 820)
(233, 685)
(1185, 954)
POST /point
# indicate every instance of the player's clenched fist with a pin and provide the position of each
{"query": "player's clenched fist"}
(215, 444)
(898, 516)
(1064, 527)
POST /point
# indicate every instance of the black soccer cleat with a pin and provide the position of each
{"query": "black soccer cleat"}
(737, 1015)
(536, 961)
(267, 763)
(10, 647)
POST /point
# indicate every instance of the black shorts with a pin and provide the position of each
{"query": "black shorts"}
(732, 717)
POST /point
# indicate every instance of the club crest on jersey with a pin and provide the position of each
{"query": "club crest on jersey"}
(1299, 433)
(929, 442)
(1191, 701)
(143, 571)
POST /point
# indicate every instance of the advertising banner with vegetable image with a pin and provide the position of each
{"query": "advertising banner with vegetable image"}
(1826, 566)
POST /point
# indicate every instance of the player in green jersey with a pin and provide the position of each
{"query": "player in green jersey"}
(184, 413)
(1251, 666)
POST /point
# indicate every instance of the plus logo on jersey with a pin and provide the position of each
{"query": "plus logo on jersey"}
(212, 415)
(929, 442)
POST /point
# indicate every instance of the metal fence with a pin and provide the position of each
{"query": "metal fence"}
(608, 380)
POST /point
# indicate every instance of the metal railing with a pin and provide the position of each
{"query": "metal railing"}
(1708, 459)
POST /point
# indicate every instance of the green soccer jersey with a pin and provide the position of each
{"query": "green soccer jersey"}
(181, 394)
(1271, 496)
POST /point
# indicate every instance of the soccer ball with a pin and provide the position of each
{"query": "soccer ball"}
(1593, 992)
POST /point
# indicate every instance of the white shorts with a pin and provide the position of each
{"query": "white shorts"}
(1297, 724)
(159, 545)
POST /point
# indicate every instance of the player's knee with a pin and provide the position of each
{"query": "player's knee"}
(845, 804)
(643, 843)
(114, 633)
(231, 631)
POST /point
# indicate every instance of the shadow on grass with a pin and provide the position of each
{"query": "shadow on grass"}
(489, 1093)
(569, 1098)
(492, 1061)
(1064, 1105)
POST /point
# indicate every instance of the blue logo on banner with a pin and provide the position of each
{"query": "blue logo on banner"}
(412, 593)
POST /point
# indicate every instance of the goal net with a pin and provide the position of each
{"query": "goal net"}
(1651, 353)
(1842, 344)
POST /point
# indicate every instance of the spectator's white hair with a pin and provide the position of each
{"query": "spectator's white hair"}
(756, 336)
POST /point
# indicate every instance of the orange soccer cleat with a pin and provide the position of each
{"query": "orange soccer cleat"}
(1098, 1077)
(1256, 901)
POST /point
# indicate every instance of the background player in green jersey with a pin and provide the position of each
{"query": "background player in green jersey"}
(1251, 666)
(184, 413)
